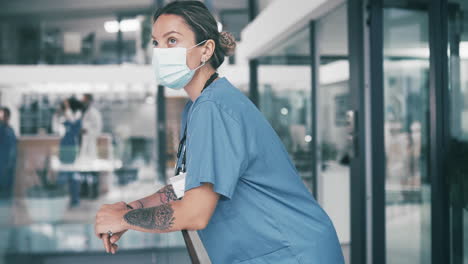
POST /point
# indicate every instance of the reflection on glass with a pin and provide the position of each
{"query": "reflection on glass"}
(332, 124)
(406, 87)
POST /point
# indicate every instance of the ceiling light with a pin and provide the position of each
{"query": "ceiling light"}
(129, 25)
(284, 111)
(111, 26)
(125, 25)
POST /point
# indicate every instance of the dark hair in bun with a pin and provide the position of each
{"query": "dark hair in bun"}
(228, 43)
(203, 24)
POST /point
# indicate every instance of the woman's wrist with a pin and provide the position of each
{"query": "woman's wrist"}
(130, 206)
(125, 225)
(136, 204)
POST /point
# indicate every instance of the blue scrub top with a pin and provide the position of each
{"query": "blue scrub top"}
(265, 213)
(7, 160)
(69, 144)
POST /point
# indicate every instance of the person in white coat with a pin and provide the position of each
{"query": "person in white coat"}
(91, 129)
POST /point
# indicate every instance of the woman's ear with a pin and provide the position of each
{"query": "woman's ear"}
(208, 49)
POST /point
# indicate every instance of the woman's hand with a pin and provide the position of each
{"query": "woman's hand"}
(105, 217)
(110, 218)
(110, 242)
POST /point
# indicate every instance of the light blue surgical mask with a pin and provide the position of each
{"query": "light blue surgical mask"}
(170, 66)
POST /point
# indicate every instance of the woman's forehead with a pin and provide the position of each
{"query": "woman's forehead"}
(167, 23)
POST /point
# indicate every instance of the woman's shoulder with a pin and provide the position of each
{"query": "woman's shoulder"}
(222, 90)
(225, 96)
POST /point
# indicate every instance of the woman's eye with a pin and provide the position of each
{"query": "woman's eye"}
(155, 43)
(172, 41)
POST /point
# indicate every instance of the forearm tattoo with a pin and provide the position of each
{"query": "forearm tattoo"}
(159, 217)
(167, 194)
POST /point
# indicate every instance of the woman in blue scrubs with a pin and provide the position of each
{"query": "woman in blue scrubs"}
(240, 190)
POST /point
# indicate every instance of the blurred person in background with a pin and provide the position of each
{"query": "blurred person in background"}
(7, 155)
(240, 188)
(67, 123)
(91, 128)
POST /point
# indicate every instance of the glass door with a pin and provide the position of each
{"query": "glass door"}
(410, 92)
(333, 103)
(406, 135)
(458, 115)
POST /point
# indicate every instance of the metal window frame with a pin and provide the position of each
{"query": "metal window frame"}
(253, 9)
(314, 68)
(253, 63)
(160, 109)
(439, 131)
(374, 78)
(253, 82)
(161, 133)
(357, 86)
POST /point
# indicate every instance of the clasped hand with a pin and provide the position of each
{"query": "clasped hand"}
(110, 217)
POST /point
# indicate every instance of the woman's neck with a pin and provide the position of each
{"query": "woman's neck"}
(195, 86)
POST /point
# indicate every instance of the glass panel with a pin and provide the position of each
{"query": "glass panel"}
(406, 88)
(87, 33)
(285, 98)
(458, 97)
(75, 39)
(332, 126)
(58, 184)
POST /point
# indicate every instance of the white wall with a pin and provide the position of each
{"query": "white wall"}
(275, 24)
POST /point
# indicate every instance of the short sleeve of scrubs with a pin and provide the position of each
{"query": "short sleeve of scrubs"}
(215, 149)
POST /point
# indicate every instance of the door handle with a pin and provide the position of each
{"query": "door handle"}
(352, 137)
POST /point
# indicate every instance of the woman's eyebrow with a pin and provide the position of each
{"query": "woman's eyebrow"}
(173, 31)
(167, 33)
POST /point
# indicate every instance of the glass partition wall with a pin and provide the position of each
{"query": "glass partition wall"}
(333, 149)
(406, 128)
(57, 186)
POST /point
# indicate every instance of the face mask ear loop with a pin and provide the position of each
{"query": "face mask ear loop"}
(203, 63)
(197, 44)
